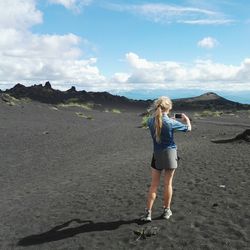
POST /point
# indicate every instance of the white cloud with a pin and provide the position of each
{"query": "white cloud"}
(19, 14)
(137, 62)
(207, 21)
(46, 57)
(35, 58)
(244, 72)
(27, 57)
(120, 77)
(208, 43)
(165, 13)
(75, 5)
(202, 74)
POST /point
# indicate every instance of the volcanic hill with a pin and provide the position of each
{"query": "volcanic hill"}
(100, 100)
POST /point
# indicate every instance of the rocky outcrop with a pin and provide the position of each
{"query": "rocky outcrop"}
(47, 85)
(47, 94)
(72, 89)
(244, 136)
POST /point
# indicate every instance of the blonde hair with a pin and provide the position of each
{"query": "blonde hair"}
(162, 104)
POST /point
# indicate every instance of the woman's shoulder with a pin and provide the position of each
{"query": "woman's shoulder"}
(169, 122)
(167, 119)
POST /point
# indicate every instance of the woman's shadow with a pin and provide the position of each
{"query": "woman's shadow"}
(63, 231)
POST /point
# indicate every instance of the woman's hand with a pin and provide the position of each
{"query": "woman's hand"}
(184, 117)
(187, 120)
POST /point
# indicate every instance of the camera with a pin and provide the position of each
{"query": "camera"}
(178, 116)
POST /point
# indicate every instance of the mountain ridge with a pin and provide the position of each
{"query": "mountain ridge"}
(47, 94)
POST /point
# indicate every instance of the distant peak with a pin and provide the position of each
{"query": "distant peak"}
(72, 89)
(47, 85)
(18, 85)
(210, 94)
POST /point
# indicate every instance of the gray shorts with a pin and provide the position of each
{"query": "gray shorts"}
(165, 159)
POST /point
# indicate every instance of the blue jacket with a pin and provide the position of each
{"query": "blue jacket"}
(169, 125)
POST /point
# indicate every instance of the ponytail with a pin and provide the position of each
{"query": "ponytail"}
(158, 123)
(162, 104)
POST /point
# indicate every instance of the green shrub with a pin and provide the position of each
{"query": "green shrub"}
(209, 113)
(84, 116)
(25, 100)
(145, 121)
(54, 108)
(10, 100)
(117, 111)
(87, 106)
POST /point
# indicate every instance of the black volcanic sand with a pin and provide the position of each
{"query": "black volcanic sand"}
(72, 183)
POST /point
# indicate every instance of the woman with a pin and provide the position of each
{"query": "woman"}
(165, 153)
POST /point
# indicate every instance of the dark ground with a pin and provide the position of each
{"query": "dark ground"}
(72, 183)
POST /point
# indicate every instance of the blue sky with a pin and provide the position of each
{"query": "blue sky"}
(141, 49)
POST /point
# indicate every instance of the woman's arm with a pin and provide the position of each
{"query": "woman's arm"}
(187, 121)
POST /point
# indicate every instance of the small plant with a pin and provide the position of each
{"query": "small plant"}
(197, 115)
(145, 232)
(87, 106)
(54, 108)
(211, 113)
(84, 116)
(117, 111)
(208, 113)
(25, 100)
(10, 100)
(144, 122)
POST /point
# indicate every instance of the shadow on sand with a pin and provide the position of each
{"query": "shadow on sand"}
(63, 231)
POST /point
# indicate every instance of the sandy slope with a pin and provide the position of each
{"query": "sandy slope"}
(72, 183)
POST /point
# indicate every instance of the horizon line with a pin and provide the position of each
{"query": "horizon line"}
(136, 93)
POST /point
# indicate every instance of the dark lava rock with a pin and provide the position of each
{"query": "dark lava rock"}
(47, 85)
(72, 89)
(244, 136)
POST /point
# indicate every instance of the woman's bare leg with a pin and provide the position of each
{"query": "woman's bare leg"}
(168, 190)
(153, 188)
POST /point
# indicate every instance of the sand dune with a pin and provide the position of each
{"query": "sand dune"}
(68, 182)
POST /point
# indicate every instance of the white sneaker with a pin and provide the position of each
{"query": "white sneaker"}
(147, 216)
(166, 213)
